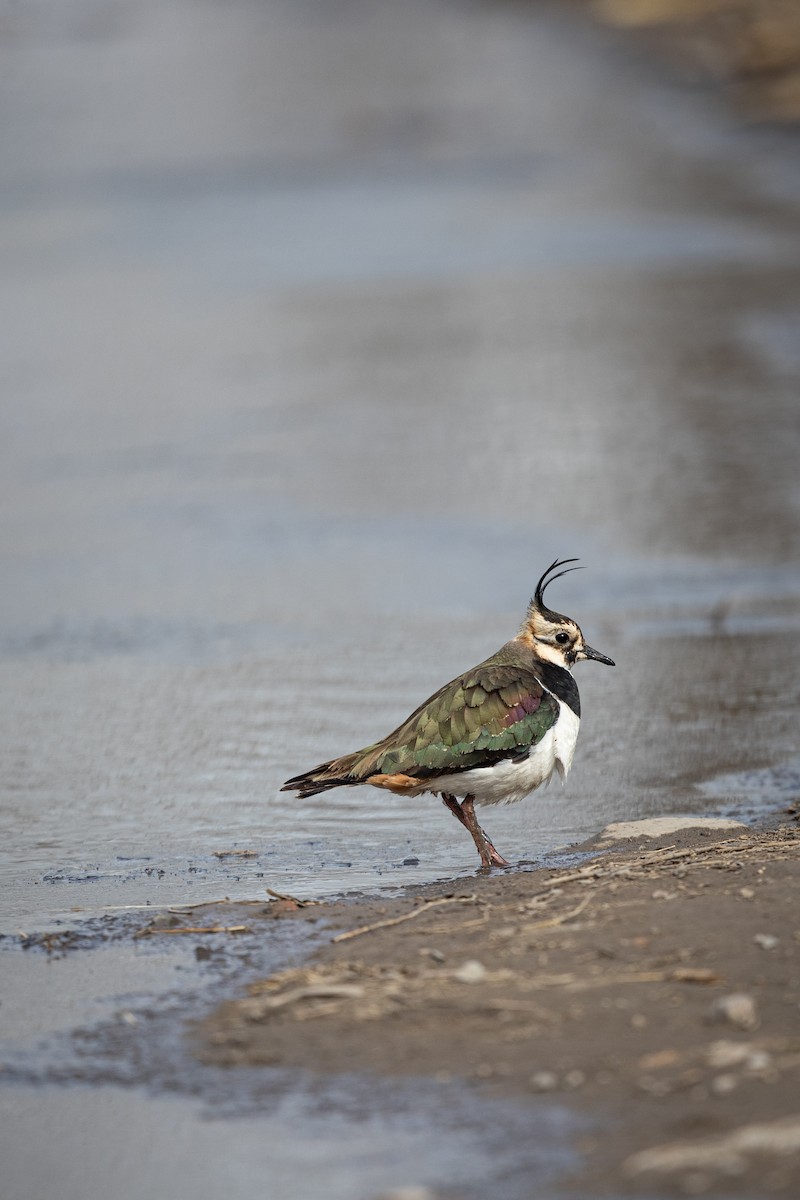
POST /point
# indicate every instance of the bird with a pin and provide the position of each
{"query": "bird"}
(492, 735)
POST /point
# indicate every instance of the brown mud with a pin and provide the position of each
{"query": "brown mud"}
(653, 989)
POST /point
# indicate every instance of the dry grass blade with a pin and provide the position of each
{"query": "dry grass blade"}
(548, 922)
(155, 930)
(572, 983)
(351, 933)
(261, 1005)
(179, 908)
(291, 899)
(447, 927)
(594, 872)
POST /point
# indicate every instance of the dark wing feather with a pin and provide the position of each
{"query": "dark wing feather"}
(495, 711)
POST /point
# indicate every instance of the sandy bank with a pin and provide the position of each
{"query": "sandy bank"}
(655, 987)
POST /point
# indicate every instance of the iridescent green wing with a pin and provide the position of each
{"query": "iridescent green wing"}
(493, 712)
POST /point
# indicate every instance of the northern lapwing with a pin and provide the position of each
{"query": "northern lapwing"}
(495, 734)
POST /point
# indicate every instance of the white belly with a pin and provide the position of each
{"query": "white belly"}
(510, 779)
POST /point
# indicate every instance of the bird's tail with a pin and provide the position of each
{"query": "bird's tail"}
(339, 772)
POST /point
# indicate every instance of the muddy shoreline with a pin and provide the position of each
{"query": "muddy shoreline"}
(653, 989)
(619, 1019)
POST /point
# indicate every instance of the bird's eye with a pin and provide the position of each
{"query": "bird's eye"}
(562, 637)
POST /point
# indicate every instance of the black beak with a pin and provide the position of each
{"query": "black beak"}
(588, 652)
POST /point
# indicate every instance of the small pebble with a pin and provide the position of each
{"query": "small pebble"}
(574, 1080)
(471, 971)
(722, 1055)
(758, 1061)
(408, 1193)
(747, 893)
(737, 1009)
(767, 941)
(433, 953)
(543, 1081)
(723, 1085)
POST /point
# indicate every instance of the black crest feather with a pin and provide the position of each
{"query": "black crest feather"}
(538, 596)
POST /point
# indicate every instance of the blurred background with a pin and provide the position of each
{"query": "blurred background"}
(328, 324)
(749, 48)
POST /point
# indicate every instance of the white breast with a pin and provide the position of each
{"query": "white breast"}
(513, 779)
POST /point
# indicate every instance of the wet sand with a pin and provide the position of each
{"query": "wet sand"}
(654, 990)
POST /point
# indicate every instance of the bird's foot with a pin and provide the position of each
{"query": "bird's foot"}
(465, 812)
(494, 858)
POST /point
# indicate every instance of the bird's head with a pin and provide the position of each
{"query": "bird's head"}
(551, 636)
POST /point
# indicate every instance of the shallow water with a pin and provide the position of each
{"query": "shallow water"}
(137, 781)
(313, 1146)
(320, 345)
(112, 1068)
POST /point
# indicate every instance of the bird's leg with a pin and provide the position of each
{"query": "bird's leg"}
(455, 808)
(489, 856)
(465, 812)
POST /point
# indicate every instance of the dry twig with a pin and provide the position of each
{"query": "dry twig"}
(351, 933)
(292, 899)
(153, 930)
(558, 920)
(260, 1006)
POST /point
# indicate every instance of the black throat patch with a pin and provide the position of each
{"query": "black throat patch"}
(559, 681)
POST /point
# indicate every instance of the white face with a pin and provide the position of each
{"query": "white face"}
(560, 642)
